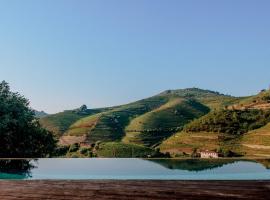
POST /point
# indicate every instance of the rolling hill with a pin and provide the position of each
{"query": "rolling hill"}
(176, 121)
(153, 127)
(155, 118)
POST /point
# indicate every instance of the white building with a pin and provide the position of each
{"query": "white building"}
(209, 154)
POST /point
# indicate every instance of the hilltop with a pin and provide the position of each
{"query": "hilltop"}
(40, 114)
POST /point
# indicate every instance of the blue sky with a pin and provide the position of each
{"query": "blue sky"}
(64, 53)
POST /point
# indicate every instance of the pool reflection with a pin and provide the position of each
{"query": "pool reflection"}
(130, 169)
(17, 168)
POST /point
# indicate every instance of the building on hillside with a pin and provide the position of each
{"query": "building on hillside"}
(209, 154)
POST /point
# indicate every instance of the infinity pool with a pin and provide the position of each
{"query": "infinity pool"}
(135, 169)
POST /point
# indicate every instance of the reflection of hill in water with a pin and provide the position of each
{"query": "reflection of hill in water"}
(192, 164)
(15, 169)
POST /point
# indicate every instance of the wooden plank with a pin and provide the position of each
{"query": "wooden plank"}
(73, 190)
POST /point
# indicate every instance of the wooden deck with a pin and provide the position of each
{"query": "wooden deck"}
(203, 190)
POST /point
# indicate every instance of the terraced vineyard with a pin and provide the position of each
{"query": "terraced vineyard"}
(159, 121)
(155, 126)
(239, 129)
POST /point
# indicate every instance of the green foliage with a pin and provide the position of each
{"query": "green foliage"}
(230, 121)
(84, 151)
(266, 98)
(61, 151)
(20, 133)
(225, 152)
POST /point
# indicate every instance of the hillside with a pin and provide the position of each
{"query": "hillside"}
(59, 123)
(146, 122)
(260, 101)
(185, 144)
(227, 131)
(257, 142)
(230, 121)
(152, 127)
(110, 125)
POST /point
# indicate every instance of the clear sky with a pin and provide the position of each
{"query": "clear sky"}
(61, 54)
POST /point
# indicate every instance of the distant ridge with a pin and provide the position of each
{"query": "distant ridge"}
(40, 114)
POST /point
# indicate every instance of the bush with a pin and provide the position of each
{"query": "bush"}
(84, 151)
(61, 151)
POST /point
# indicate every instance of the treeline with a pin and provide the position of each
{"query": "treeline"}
(230, 121)
(21, 135)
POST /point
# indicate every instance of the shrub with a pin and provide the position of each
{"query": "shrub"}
(84, 151)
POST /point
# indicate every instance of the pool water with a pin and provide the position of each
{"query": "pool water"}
(134, 169)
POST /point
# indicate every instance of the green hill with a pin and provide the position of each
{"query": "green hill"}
(152, 127)
(146, 122)
(110, 125)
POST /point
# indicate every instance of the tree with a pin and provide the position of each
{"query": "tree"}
(20, 132)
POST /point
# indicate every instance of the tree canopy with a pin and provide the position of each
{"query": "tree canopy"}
(20, 132)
